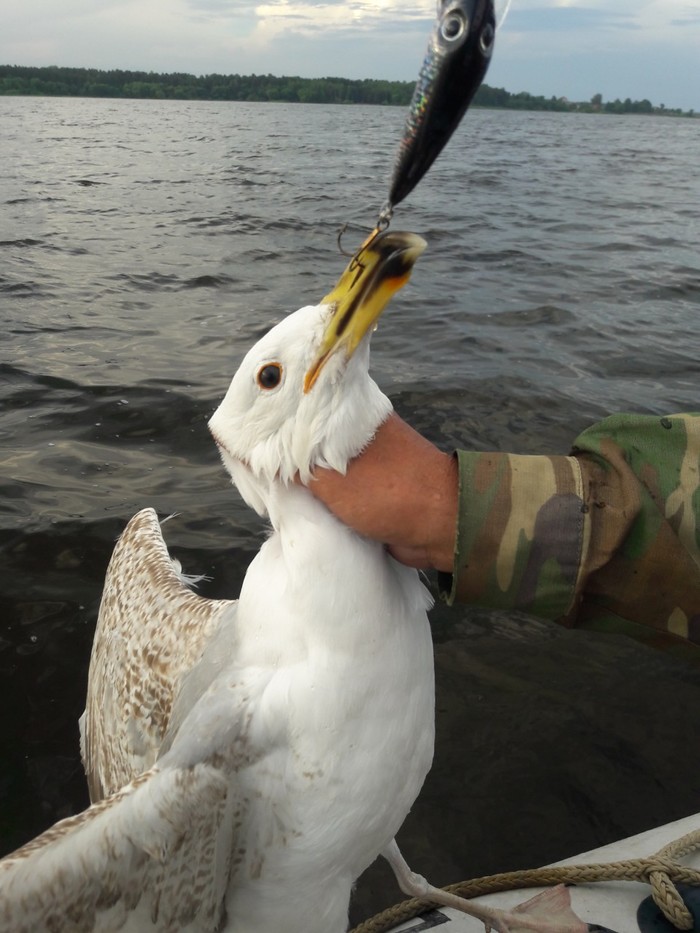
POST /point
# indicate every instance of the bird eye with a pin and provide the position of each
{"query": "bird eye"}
(269, 376)
(453, 27)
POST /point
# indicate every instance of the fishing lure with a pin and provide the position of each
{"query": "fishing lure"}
(458, 55)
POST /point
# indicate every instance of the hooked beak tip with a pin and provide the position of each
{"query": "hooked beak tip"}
(381, 266)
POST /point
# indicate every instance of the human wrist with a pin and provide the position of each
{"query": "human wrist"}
(440, 511)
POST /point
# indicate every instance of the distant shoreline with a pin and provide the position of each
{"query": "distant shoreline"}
(54, 81)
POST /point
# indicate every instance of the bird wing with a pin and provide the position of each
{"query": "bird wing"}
(122, 862)
(159, 853)
(151, 630)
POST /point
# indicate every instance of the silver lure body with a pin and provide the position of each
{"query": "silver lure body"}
(455, 63)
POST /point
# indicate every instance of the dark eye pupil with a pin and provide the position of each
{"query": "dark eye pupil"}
(269, 376)
(452, 27)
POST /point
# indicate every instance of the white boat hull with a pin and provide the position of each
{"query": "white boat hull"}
(605, 904)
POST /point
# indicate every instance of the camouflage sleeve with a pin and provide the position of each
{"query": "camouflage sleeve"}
(607, 538)
(521, 532)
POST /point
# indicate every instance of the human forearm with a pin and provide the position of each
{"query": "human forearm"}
(402, 491)
(606, 538)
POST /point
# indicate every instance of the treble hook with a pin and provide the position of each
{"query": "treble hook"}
(379, 228)
(386, 212)
(340, 236)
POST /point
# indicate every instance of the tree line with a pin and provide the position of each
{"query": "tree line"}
(498, 97)
(91, 82)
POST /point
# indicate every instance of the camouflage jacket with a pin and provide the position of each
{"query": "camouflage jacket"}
(607, 538)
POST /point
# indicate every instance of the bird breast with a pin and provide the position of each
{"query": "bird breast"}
(345, 629)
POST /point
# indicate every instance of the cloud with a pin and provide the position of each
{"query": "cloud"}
(687, 19)
(334, 19)
(219, 7)
(568, 18)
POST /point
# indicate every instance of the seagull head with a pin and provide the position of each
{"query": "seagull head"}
(302, 397)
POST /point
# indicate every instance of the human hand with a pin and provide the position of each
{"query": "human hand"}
(401, 490)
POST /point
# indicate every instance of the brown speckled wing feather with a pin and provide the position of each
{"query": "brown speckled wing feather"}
(150, 632)
(122, 863)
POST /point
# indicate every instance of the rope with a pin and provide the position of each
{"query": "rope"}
(661, 871)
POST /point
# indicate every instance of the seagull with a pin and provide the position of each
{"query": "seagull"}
(247, 759)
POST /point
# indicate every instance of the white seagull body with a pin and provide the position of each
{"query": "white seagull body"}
(248, 759)
(254, 756)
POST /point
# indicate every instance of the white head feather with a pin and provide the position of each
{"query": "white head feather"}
(269, 435)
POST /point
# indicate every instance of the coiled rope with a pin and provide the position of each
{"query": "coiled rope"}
(661, 871)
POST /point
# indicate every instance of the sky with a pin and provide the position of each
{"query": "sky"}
(567, 48)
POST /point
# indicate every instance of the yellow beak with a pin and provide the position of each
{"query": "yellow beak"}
(380, 267)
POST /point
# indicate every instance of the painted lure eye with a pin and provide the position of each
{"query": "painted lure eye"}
(486, 38)
(269, 376)
(453, 26)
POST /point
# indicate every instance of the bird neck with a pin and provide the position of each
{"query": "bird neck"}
(294, 511)
(315, 578)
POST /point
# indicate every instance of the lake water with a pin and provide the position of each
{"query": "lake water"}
(145, 245)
